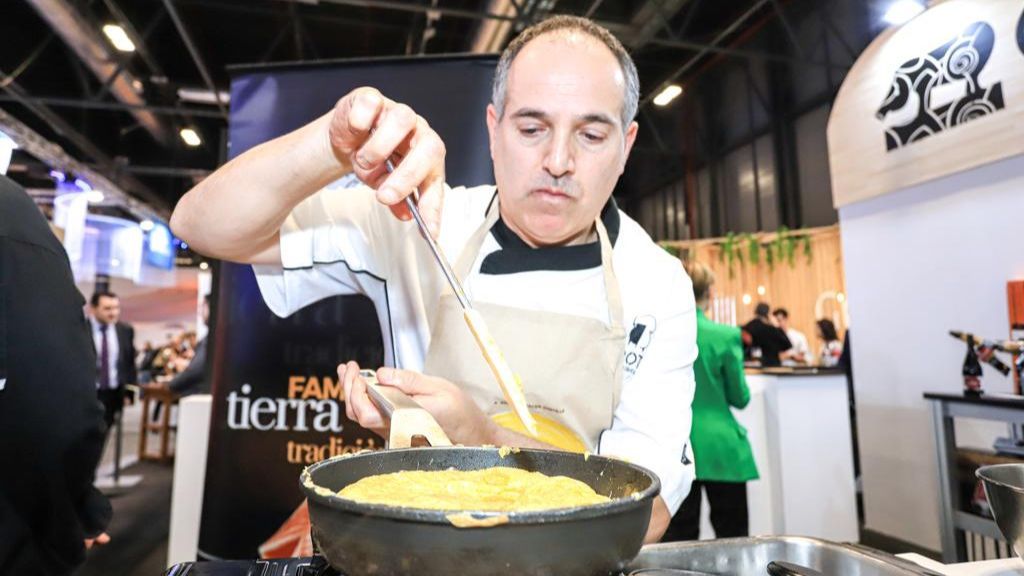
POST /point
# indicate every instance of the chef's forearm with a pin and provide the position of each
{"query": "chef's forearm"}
(660, 518)
(236, 213)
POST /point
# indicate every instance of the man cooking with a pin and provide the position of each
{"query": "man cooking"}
(596, 319)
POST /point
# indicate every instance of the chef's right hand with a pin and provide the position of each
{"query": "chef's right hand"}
(367, 129)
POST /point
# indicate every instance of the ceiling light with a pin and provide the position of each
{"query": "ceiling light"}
(747, 299)
(94, 196)
(191, 137)
(201, 96)
(901, 11)
(119, 38)
(82, 185)
(668, 94)
(58, 175)
(146, 225)
(204, 266)
(761, 290)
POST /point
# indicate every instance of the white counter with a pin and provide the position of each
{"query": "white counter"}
(799, 429)
(1009, 567)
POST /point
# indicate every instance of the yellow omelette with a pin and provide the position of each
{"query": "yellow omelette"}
(491, 489)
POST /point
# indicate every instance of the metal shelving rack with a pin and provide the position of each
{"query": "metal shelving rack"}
(955, 521)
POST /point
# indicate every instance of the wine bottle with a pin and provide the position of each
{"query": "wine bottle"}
(972, 371)
(1011, 346)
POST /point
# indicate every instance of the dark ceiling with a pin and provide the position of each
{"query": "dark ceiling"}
(48, 85)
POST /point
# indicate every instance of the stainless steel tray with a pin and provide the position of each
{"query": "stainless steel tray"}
(750, 557)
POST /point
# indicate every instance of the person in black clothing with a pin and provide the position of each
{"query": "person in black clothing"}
(765, 335)
(191, 380)
(115, 353)
(51, 426)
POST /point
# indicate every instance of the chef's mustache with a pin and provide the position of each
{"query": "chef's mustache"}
(564, 183)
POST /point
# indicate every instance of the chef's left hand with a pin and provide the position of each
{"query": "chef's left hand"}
(454, 410)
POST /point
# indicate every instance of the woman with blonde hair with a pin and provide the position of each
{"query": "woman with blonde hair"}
(723, 457)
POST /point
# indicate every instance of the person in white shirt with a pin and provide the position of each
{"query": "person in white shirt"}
(599, 322)
(800, 353)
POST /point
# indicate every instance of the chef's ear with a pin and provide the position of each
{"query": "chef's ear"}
(492, 126)
(630, 139)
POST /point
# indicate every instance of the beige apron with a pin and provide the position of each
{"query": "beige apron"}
(570, 366)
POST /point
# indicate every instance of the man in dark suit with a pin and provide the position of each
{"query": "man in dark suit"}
(115, 353)
(51, 427)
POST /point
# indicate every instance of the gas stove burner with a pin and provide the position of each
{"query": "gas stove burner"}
(312, 566)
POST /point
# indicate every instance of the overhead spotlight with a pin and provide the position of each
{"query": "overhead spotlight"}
(668, 94)
(747, 299)
(94, 196)
(119, 38)
(146, 225)
(204, 266)
(201, 96)
(191, 137)
(761, 290)
(902, 11)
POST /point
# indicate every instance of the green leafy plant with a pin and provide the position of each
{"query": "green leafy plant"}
(753, 249)
(748, 248)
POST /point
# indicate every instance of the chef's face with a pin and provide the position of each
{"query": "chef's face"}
(560, 145)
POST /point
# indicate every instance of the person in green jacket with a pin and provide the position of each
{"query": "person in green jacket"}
(724, 459)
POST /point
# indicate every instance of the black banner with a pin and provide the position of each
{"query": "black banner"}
(277, 403)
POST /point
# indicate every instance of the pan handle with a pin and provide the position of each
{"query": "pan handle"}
(779, 568)
(388, 399)
(407, 420)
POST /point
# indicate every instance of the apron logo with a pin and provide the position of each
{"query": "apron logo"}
(639, 339)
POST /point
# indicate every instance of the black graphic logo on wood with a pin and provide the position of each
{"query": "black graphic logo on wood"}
(941, 90)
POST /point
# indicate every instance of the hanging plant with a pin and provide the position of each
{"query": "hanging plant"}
(769, 257)
(729, 252)
(673, 250)
(789, 250)
(753, 250)
(778, 245)
(808, 252)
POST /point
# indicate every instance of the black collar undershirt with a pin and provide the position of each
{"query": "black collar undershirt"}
(515, 255)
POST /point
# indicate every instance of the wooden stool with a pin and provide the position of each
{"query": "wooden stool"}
(169, 400)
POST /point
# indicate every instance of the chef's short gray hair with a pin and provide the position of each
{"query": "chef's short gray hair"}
(564, 23)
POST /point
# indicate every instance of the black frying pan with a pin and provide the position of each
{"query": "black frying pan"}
(371, 539)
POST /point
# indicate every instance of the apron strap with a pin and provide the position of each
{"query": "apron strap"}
(464, 264)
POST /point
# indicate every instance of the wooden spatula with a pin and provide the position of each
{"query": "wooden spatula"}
(408, 421)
